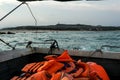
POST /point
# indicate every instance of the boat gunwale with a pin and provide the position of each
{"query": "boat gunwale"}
(11, 54)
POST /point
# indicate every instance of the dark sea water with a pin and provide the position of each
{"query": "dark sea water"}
(80, 40)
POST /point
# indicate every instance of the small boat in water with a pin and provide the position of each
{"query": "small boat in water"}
(12, 61)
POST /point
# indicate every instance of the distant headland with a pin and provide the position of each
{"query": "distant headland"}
(77, 27)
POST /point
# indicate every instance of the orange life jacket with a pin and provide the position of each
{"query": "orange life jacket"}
(61, 76)
(97, 71)
(62, 67)
(39, 76)
(50, 57)
(51, 66)
(70, 68)
(64, 57)
(56, 76)
(77, 73)
(55, 67)
(32, 67)
(27, 67)
(85, 67)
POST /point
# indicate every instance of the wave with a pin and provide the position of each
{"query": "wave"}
(80, 40)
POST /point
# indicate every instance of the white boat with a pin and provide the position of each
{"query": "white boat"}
(12, 61)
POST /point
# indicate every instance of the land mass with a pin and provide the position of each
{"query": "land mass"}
(78, 27)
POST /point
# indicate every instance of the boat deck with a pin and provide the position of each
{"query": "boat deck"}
(11, 62)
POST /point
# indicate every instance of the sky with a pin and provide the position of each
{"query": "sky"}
(105, 12)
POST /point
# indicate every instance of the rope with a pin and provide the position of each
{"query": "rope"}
(32, 14)
(33, 17)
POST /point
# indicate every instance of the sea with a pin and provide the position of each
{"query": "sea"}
(71, 40)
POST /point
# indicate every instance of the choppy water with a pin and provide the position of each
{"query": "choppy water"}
(81, 40)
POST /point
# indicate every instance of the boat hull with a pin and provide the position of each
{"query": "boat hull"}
(13, 66)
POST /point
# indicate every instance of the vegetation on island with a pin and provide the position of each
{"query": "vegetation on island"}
(78, 27)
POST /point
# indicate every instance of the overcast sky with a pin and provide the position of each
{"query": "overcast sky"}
(105, 12)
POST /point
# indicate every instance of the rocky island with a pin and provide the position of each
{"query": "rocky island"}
(78, 27)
